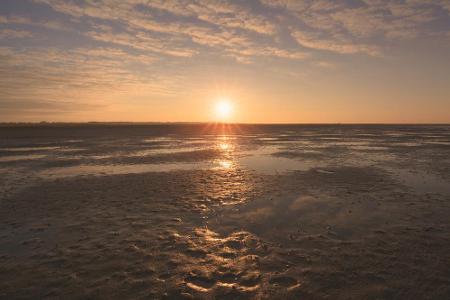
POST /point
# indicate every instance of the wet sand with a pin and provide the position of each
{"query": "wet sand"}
(249, 212)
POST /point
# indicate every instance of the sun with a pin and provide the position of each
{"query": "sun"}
(223, 109)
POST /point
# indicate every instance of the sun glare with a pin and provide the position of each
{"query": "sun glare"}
(223, 109)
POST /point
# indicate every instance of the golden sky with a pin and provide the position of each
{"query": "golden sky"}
(274, 61)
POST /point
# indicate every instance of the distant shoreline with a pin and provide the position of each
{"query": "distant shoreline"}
(56, 124)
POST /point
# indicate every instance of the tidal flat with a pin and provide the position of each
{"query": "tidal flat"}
(204, 211)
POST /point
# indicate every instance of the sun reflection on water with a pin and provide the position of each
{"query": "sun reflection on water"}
(225, 146)
(226, 161)
(225, 164)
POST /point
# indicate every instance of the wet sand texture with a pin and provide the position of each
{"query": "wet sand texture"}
(281, 212)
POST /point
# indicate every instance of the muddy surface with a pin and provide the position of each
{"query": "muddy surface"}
(248, 212)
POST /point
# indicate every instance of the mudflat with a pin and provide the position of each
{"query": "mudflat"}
(197, 211)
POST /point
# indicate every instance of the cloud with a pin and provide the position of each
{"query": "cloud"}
(221, 13)
(134, 12)
(20, 20)
(391, 20)
(85, 51)
(11, 33)
(57, 78)
(368, 26)
(180, 28)
(334, 44)
(45, 106)
(218, 24)
(142, 41)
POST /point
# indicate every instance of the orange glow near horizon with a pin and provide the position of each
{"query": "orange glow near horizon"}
(223, 109)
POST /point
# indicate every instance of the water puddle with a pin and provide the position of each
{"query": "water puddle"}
(19, 149)
(168, 150)
(407, 144)
(71, 149)
(160, 138)
(171, 149)
(257, 152)
(369, 148)
(103, 170)
(258, 159)
(21, 157)
(422, 182)
(275, 165)
(445, 143)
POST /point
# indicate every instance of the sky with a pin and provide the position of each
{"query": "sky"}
(274, 61)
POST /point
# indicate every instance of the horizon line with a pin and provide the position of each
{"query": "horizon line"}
(209, 122)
